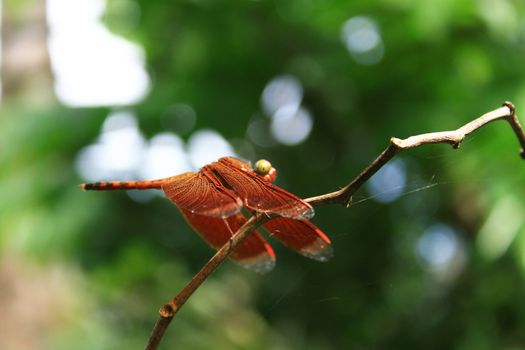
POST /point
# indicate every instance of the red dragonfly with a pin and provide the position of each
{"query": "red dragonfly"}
(211, 201)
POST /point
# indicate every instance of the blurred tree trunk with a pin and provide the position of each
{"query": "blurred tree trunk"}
(26, 72)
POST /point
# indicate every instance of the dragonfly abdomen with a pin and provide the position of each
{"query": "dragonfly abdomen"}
(122, 185)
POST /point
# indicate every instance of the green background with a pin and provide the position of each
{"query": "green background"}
(89, 270)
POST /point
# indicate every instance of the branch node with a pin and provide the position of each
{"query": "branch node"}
(167, 311)
(522, 153)
(397, 143)
(510, 106)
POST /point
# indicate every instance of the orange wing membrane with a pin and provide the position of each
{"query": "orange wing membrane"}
(201, 193)
(257, 193)
(301, 236)
(253, 253)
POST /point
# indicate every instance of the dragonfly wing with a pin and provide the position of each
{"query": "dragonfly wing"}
(200, 194)
(253, 253)
(259, 194)
(301, 236)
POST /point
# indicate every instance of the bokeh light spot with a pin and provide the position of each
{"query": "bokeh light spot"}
(291, 125)
(284, 90)
(361, 37)
(389, 182)
(437, 246)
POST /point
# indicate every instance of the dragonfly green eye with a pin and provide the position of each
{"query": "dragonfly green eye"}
(263, 167)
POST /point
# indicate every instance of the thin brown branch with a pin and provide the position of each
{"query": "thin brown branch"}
(343, 196)
(454, 138)
(173, 306)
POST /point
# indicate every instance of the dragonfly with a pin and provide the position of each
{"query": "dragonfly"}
(216, 200)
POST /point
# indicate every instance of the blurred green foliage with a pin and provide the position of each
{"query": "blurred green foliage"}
(444, 63)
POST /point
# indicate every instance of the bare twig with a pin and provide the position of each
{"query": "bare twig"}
(454, 138)
(343, 196)
(173, 306)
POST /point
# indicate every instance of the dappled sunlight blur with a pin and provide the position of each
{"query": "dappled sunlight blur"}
(91, 66)
(122, 153)
(206, 146)
(165, 156)
(502, 18)
(117, 152)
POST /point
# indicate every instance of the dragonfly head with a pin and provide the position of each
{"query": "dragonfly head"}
(265, 169)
